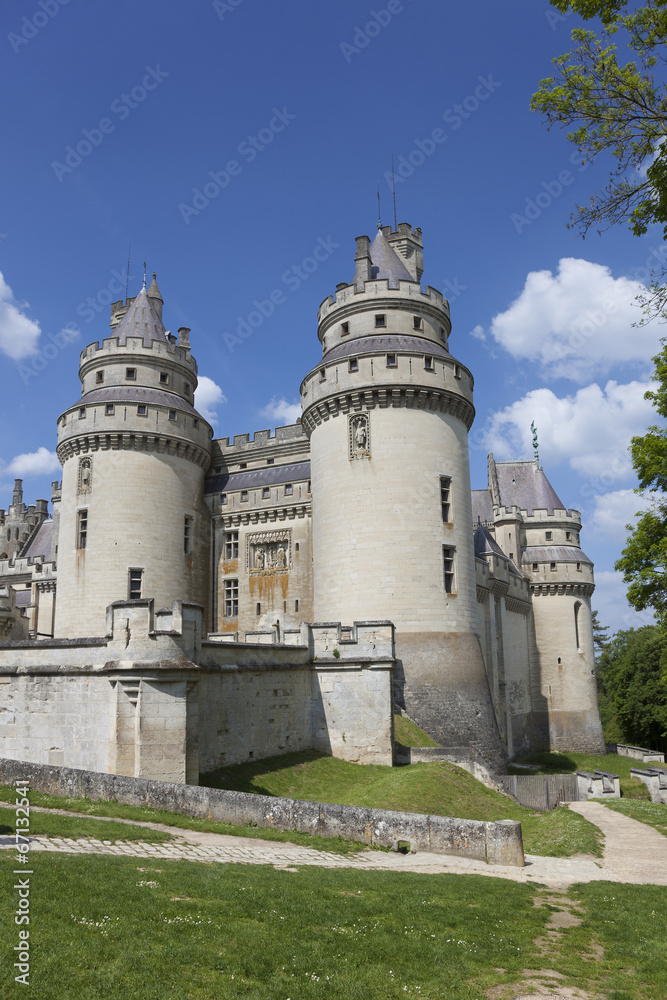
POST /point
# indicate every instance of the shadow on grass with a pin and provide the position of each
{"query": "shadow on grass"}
(243, 777)
(550, 763)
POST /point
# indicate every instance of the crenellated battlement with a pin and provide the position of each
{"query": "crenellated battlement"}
(349, 296)
(135, 346)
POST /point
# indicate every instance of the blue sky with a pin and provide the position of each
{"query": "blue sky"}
(228, 140)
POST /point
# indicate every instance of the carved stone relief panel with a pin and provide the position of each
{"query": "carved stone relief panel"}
(359, 435)
(269, 551)
(85, 480)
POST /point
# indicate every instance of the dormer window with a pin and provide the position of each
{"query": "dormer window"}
(381, 320)
(131, 373)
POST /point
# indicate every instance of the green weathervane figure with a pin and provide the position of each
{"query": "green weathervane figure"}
(535, 449)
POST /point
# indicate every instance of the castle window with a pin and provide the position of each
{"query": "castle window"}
(81, 529)
(110, 409)
(579, 566)
(553, 567)
(134, 584)
(416, 323)
(141, 410)
(130, 373)
(231, 598)
(535, 567)
(308, 487)
(244, 496)
(511, 555)
(457, 371)
(172, 414)
(243, 465)
(381, 320)
(353, 365)
(223, 498)
(296, 605)
(345, 328)
(442, 332)
(259, 608)
(99, 377)
(576, 624)
(567, 535)
(164, 378)
(270, 461)
(391, 361)
(187, 535)
(445, 503)
(448, 567)
(288, 489)
(296, 547)
(548, 536)
(82, 412)
(195, 423)
(232, 545)
(323, 374)
(266, 493)
(428, 364)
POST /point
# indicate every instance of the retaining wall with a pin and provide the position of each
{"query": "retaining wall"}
(497, 843)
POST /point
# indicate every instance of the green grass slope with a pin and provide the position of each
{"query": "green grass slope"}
(408, 734)
(439, 789)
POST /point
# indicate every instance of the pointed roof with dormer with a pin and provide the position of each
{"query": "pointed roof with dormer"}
(142, 320)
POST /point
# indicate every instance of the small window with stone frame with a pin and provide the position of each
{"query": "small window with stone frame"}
(131, 373)
(172, 414)
(244, 496)
(535, 567)
(417, 323)
(99, 377)
(353, 365)
(82, 412)
(135, 580)
(231, 598)
(259, 609)
(142, 410)
(445, 498)
(164, 378)
(231, 545)
(223, 499)
(428, 363)
(345, 329)
(548, 536)
(381, 320)
(553, 567)
(110, 409)
(266, 493)
(288, 489)
(187, 534)
(448, 568)
(81, 528)
(391, 361)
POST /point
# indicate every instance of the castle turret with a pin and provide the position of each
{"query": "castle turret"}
(388, 411)
(134, 452)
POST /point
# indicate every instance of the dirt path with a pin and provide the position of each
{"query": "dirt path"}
(633, 851)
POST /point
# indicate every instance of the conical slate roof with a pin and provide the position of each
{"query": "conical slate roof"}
(524, 485)
(386, 262)
(153, 290)
(141, 320)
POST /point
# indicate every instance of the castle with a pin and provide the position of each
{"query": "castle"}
(195, 601)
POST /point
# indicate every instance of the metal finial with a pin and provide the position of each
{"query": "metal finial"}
(127, 278)
(379, 215)
(144, 274)
(393, 186)
(535, 446)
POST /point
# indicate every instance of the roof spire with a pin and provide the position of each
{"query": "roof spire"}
(155, 296)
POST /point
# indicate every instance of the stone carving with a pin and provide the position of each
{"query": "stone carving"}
(85, 483)
(269, 551)
(359, 434)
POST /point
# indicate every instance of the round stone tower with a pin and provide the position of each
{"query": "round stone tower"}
(388, 411)
(134, 453)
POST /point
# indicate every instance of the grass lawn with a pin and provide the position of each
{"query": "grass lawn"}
(109, 928)
(49, 825)
(439, 789)
(651, 813)
(566, 763)
(408, 734)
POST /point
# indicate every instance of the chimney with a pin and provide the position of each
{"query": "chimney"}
(363, 262)
(184, 337)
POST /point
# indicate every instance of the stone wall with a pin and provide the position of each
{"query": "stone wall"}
(496, 843)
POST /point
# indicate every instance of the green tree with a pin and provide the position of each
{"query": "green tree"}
(619, 110)
(643, 561)
(600, 637)
(632, 687)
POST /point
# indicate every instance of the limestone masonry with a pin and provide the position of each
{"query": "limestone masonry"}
(197, 602)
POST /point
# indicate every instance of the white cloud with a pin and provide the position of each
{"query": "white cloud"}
(36, 463)
(590, 429)
(613, 511)
(18, 333)
(478, 332)
(208, 396)
(576, 323)
(611, 603)
(280, 412)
